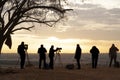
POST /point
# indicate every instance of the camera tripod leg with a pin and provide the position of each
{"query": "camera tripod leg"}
(18, 60)
(28, 60)
(59, 58)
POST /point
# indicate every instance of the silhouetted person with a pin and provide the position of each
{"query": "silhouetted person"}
(42, 56)
(21, 50)
(113, 54)
(51, 57)
(95, 54)
(78, 55)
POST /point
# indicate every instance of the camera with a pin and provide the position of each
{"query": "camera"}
(26, 46)
(58, 49)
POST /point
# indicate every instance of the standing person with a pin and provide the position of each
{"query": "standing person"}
(21, 51)
(95, 53)
(42, 56)
(51, 57)
(78, 55)
(113, 54)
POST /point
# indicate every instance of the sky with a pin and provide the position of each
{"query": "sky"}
(91, 23)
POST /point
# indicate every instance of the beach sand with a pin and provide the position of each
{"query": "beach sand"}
(60, 73)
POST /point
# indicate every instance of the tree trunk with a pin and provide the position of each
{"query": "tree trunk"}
(2, 39)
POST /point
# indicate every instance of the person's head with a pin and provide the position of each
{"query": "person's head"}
(94, 47)
(113, 45)
(41, 45)
(22, 43)
(52, 46)
(78, 45)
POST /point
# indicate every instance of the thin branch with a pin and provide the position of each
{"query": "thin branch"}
(45, 7)
(34, 21)
(28, 28)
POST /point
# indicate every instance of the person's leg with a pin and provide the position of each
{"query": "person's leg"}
(111, 59)
(78, 63)
(93, 62)
(115, 59)
(22, 61)
(51, 64)
(44, 61)
(96, 61)
(40, 61)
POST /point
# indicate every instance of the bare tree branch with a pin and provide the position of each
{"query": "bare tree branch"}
(28, 28)
(16, 12)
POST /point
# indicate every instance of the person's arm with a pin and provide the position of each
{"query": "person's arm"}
(45, 51)
(117, 49)
(38, 51)
(91, 51)
(98, 51)
(109, 52)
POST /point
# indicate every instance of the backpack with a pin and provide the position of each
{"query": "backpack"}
(117, 64)
(19, 49)
(69, 66)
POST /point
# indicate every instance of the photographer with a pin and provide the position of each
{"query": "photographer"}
(21, 51)
(51, 57)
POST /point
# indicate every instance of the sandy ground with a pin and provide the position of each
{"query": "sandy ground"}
(60, 73)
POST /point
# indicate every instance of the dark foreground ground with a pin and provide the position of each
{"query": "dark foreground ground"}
(60, 73)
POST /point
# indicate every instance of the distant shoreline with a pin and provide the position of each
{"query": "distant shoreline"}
(12, 59)
(47, 53)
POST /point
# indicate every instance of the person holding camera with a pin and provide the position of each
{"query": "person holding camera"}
(51, 57)
(21, 51)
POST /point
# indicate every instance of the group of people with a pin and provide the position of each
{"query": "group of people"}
(42, 56)
(95, 54)
(22, 49)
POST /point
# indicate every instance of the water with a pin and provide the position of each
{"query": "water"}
(12, 59)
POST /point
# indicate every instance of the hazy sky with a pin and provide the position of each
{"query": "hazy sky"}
(93, 22)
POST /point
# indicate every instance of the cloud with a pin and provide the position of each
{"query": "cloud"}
(91, 22)
(95, 15)
(108, 4)
(87, 21)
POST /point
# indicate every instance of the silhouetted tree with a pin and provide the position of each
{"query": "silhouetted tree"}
(17, 12)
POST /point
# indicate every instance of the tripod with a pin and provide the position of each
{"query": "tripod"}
(28, 60)
(58, 56)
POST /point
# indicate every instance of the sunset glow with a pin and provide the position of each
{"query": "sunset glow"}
(94, 22)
